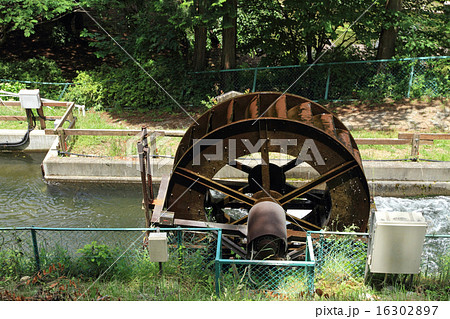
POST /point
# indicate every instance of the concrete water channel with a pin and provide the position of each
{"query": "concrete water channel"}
(26, 199)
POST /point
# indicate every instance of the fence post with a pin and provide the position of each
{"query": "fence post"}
(309, 269)
(328, 84)
(411, 77)
(255, 75)
(66, 85)
(35, 249)
(218, 265)
(415, 147)
(179, 246)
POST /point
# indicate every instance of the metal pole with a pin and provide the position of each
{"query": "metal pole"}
(35, 249)
(309, 269)
(411, 76)
(328, 84)
(179, 247)
(63, 91)
(255, 75)
(218, 265)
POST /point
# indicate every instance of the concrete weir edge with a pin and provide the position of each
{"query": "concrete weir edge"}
(385, 178)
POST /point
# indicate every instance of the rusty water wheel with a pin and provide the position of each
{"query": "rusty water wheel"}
(304, 133)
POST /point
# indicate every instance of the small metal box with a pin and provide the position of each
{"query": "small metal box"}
(157, 247)
(30, 99)
(396, 242)
(166, 218)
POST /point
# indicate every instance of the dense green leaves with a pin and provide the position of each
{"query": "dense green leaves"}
(25, 14)
(171, 37)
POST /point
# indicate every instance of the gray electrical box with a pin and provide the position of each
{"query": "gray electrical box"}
(157, 247)
(396, 242)
(30, 99)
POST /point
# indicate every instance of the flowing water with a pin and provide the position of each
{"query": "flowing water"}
(436, 210)
(27, 200)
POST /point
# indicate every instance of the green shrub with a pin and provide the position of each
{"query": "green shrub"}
(87, 90)
(38, 69)
(13, 87)
(96, 259)
(129, 86)
(14, 264)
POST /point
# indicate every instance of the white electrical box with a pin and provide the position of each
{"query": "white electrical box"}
(30, 99)
(396, 242)
(157, 247)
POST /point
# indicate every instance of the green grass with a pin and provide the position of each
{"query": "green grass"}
(69, 276)
(173, 285)
(438, 151)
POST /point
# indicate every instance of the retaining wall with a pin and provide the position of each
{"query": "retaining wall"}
(385, 178)
(39, 142)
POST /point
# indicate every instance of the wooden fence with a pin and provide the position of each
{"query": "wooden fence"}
(405, 138)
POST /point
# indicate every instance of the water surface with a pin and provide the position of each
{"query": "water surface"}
(27, 200)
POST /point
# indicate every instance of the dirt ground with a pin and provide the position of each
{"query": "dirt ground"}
(419, 115)
(423, 115)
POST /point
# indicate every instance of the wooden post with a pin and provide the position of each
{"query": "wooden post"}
(62, 139)
(29, 118)
(415, 147)
(40, 112)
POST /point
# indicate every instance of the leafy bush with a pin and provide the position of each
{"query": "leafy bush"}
(38, 69)
(14, 87)
(129, 85)
(87, 90)
(96, 258)
(13, 264)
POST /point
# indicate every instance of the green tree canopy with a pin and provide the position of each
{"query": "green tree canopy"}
(24, 15)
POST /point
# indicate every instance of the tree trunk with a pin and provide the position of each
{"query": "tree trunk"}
(229, 34)
(309, 58)
(199, 59)
(388, 37)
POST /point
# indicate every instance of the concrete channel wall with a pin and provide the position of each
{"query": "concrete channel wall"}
(385, 178)
(38, 142)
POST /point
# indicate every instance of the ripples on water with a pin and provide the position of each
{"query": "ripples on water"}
(26, 199)
(436, 210)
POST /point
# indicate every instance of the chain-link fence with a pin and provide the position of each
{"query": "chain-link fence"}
(393, 78)
(340, 257)
(93, 252)
(48, 90)
(287, 278)
(330, 259)
(396, 78)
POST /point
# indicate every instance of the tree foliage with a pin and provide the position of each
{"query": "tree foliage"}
(24, 15)
(171, 37)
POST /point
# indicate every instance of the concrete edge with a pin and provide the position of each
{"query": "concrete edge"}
(39, 141)
(384, 178)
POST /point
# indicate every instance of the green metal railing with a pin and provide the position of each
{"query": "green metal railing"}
(286, 277)
(49, 90)
(391, 78)
(408, 77)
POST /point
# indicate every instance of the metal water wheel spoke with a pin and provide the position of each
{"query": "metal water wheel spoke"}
(211, 184)
(330, 175)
